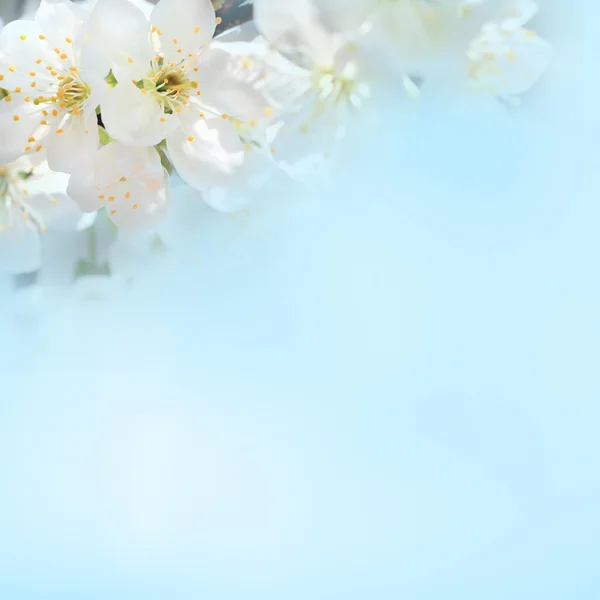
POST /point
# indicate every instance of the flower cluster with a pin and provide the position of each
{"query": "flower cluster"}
(105, 100)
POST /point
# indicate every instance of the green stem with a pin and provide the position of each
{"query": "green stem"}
(92, 245)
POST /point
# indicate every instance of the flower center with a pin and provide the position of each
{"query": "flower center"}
(71, 95)
(169, 84)
(339, 87)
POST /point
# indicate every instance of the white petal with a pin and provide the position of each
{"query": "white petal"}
(77, 143)
(121, 31)
(15, 133)
(24, 51)
(59, 212)
(130, 182)
(184, 24)
(82, 189)
(145, 206)
(60, 19)
(297, 33)
(224, 90)
(305, 141)
(134, 118)
(208, 154)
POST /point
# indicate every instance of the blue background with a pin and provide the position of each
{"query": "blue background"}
(381, 386)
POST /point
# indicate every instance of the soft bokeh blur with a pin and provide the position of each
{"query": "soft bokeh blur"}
(382, 384)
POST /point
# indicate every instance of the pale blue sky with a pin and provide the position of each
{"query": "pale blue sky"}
(387, 388)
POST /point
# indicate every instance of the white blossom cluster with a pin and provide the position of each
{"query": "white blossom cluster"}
(102, 102)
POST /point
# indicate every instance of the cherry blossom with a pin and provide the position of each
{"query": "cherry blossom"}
(130, 183)
(53, 84)
(32, 201)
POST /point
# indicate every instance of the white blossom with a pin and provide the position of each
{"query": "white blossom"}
(325, 81)
(130, 183)
(172, 86)
(450, 41)
(32, 201)
(53, 84)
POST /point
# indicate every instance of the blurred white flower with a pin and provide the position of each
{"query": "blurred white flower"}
(131, 183)
(506, 59)
(446, 40)
(53, 83)
(32, 200)
(323, 80)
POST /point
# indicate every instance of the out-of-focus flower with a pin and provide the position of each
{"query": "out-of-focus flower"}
(32, 200)
(448, 41)
(323, 79)
(53, 86)
(131, 183)
(507, 59)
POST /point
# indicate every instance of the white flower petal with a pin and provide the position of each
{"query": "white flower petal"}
(15, 133)
(130, 182)
(82, 189)
(61, 18)
(76, 144)
(298, 33)
(505, 63)
(208, 154)
(185, 25)
(224, 90)
(134, 118)
(120, 30)
(24, 51)
(59, 212)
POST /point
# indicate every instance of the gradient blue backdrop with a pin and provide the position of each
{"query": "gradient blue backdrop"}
(385, 386)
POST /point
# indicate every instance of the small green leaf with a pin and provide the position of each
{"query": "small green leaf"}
(164, 160)
(111, 79)
(104, 137)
